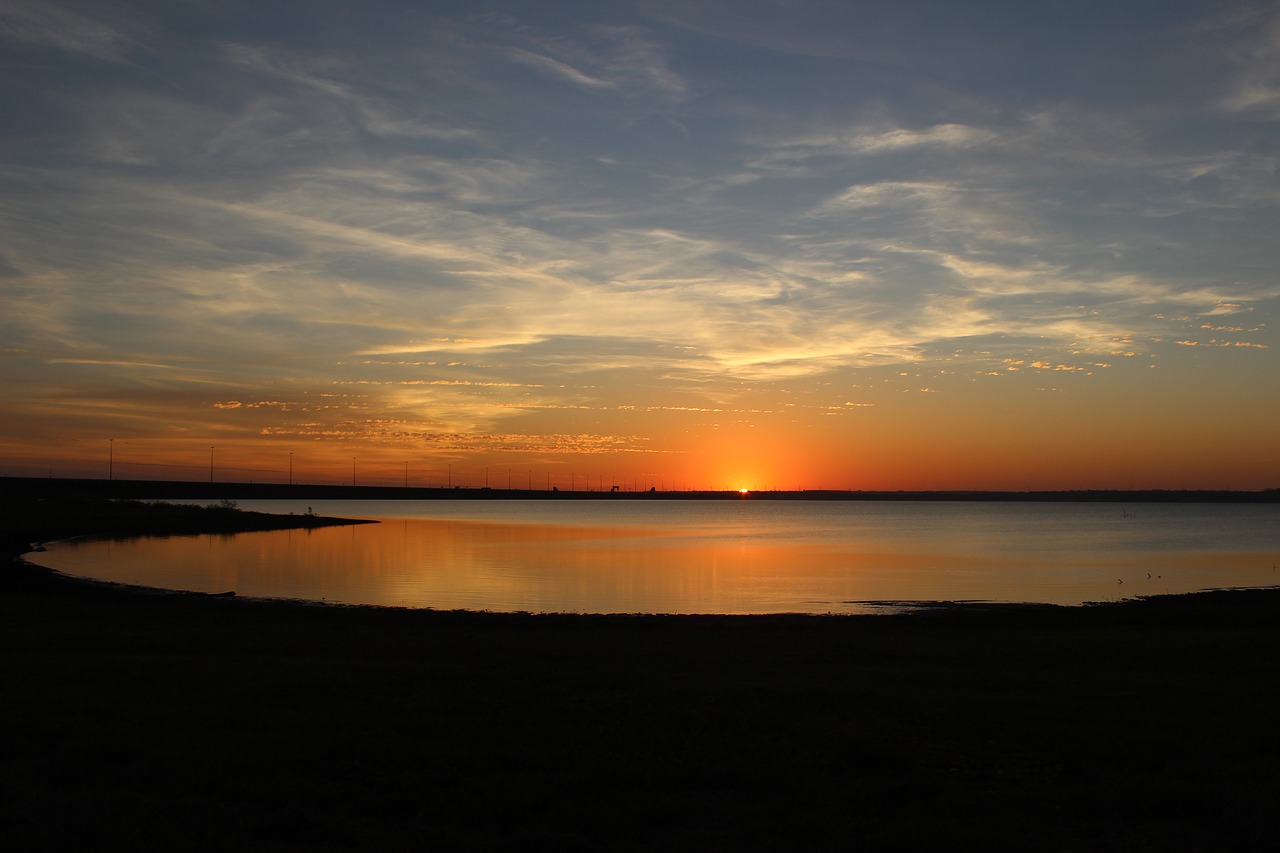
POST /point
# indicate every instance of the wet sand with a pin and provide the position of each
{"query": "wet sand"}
(200, 722)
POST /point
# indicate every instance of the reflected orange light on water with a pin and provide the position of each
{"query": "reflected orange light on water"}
(488, 566)
(481, 565)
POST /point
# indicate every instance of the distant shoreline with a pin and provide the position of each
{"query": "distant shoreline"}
(54, 487)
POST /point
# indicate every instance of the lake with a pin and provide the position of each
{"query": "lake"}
(741, 557)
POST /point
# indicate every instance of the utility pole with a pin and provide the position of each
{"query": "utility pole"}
(210, 464)
(111, 458)
(290, 468)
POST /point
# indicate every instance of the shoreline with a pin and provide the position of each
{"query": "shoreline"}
(209, 723)
(86, 488)
(918, 609)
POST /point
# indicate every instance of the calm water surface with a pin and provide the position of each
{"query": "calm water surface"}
(708, 556)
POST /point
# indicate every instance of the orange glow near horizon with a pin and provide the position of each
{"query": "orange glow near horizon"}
(950, 445)
(1006, 433)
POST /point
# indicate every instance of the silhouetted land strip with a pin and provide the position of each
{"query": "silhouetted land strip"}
(52, 518)
(54, 487)
(195, 722)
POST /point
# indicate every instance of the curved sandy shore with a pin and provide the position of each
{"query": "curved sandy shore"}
(206, 723)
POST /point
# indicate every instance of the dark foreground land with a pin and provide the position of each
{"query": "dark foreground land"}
(164, 722)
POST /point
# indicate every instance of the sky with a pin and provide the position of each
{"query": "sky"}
(765, 245)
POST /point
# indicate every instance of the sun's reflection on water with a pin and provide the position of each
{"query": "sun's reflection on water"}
(494, 564)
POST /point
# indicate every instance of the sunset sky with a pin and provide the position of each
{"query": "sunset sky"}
(853, 245)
